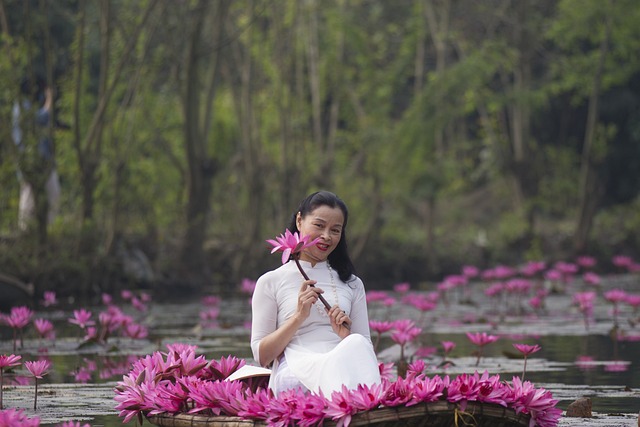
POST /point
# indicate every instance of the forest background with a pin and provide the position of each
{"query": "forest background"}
(459, 132)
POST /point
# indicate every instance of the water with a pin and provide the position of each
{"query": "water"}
(573, 362)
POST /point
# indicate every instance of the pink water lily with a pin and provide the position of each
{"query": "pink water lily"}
(463, 389)
(310, 410)
(447, 347)
(49, 299)
(341, 408)
(9, 361)
(38, 369)
(146, 391)
(290, 244)
(256, 405)
(615, 297)
(481, 340)
(427, 390)
(82, 318)
(18, 318)
(17, 418)
(44, 328)
(73, 424)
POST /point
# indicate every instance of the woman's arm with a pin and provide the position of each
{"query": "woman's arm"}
(359, 314)
(267, 340)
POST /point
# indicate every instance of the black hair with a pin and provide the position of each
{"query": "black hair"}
(338, 259)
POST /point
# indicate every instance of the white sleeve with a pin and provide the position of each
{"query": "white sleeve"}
(264, 314)
(359, 315)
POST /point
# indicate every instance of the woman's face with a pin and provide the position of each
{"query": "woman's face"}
(326, 223)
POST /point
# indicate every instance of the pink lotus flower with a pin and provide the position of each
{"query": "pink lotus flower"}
(427, 390)
(256, 405)
(211, 300)
(481, 340)
(44, 328)
(585, 302)
(310, 410)
(463, 389)
(425, 351)
(402, 288)
(634, 301)
(386, 370)
(9, 361)
(247, 286)
(17, 418)
(214, 396)
(367, 397)
(49, 299)
(398, 392)
(526, 350)
(524, 397)
(586, 261)
(622, 261)
(492, 390)
(470, 271)
(155, 385)
(404, 332)
(447, 346)
(136, 331)
(107, 299)
(290, 244)
(379, 328)
(373, 296)
(73, 424)
(38, 369)
(341, 408)
(282, 410)
(223, 368)
(416, 368)
(18, 318)
(532, 268)
(495, 289)
(82, 318)
(615, 296)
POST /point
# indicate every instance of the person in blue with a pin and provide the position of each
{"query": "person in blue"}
(28, 122)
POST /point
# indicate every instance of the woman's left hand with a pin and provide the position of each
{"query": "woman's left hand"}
(340, 321)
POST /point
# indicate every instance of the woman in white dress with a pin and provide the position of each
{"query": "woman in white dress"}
(306, 345)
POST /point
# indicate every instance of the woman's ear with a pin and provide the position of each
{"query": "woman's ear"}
(298, 221)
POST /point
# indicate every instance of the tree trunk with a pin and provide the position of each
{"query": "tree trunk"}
(589, 187)
(201, 167)
(437, 20)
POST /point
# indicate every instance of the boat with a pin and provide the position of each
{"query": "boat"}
(433, 414)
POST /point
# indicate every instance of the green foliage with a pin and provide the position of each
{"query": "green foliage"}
(391, 148)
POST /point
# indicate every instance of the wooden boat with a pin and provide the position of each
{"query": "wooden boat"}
(434, 414)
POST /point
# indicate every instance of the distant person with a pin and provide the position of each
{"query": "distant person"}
(35, 95)
(309, 347)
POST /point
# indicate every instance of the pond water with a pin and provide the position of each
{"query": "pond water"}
(573, 361)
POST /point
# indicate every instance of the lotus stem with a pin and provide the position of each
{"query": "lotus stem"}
(322, 300)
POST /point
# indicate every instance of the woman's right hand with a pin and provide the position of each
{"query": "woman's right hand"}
(307, 296)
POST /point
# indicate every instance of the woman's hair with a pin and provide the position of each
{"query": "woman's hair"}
(338, 259)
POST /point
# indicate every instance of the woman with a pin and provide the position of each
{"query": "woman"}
(308, 346)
